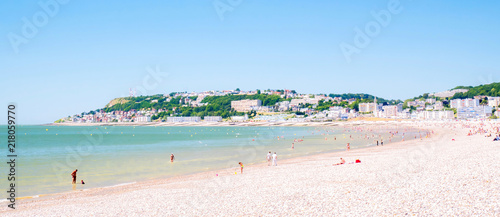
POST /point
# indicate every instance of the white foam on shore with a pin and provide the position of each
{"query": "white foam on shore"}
(122, 184)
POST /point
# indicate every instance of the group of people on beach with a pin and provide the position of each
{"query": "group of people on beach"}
(497, 138)
(272, 157)
(342, 161)
(73, 175)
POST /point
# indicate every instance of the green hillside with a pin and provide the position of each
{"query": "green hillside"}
(492, 89)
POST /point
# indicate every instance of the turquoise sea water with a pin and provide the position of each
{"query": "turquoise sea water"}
(111, 155)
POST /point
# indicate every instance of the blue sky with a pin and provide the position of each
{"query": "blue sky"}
(86, 53)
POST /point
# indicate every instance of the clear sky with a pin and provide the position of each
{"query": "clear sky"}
(73, 56)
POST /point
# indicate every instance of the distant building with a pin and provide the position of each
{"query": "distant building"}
(459, 103)
(239, 118)
(367, 107)
(438, 105)
(245, 105)
(478, 112)
(438, 115)
(404, 114)
(430, 100)
(183, 119)
(493, 101)
(143, 119)
(416, 103)
(391, 111)
(283, 106)
(212, 118)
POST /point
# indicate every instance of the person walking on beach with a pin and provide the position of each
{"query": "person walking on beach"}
(269, 159)
(293, 145)
(348, 146)
(73, 174)
(275, 159)
(172, 158)
(241, 165)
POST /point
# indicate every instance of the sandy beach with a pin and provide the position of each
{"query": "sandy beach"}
(448, 174)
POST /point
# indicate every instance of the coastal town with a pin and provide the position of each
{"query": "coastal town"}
(292, 107)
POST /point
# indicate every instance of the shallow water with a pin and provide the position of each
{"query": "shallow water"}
(111, 155)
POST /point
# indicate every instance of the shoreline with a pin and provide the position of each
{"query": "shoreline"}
(203, 173)
(192, 192)
(236, 124)
(220, 171)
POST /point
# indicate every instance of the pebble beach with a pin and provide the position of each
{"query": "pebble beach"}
(448, 174)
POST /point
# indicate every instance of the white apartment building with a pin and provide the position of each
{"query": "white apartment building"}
(459, 103)
(493, 101)
(367, 107)
(391, 111)
(183, 119)
(477, 112)
(143, 119)
(438, 115)
(239, 118)
(245, 105)
(416, 103)
(212, 118)
(438, 105)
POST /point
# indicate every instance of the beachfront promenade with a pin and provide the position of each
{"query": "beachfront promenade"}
(448, 174)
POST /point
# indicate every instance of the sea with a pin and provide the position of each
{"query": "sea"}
(116, 155)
